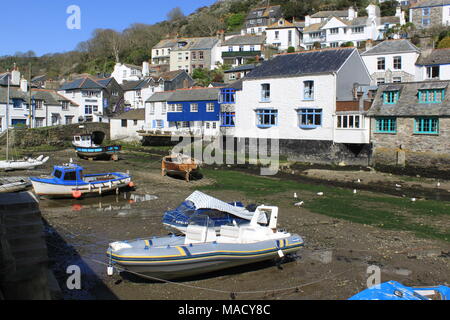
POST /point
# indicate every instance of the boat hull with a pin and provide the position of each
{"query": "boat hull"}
(98, 153)
(185, 261)
(42, 188)
(185, 168)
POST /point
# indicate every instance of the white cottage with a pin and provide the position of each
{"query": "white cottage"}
(433, 64)
(125, 127)
(293, 98)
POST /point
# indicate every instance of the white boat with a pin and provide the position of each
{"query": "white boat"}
(84, 141)
(70, 181)
(203, 249)
(14, 184)
(25, 164)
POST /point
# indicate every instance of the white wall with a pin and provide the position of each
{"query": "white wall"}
(82, 101)
(286, 97)
(283, 38)
(128, 133)
(122, 72)
(444, 72)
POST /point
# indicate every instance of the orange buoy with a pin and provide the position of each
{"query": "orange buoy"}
(131, 184)
(76, 194)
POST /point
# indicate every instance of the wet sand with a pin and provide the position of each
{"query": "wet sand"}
(332, 265)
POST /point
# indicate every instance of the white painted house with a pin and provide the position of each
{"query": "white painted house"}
(128, 72)
(433, 64)
(391, 61)
(156, 112)
(294, 97)
(125, 127)
(284, 34)
(334, 28)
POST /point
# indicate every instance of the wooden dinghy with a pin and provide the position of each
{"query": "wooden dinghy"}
(179, 164)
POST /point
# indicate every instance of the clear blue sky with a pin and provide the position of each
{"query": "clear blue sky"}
(40, 25)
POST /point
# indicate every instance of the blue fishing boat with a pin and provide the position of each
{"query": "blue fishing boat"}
(203, 249)
(86, 148)
(393, 290)
(70, 181)
(221, 213)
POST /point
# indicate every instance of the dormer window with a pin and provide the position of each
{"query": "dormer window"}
(431, 95)
(433, 72)
(391, 97)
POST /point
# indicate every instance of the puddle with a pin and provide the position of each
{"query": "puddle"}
(124, 201)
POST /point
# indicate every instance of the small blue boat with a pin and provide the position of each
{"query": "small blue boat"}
(70, 181)
(203, 249)
(393, 290)
(87, 149)
(219, 212)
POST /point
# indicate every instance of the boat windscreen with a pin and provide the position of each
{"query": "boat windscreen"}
(57, 174)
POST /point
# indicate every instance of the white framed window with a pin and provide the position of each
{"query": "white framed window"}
(380, 81)
(397, 63)
(210, 107)
(152, 108)
(334, 30)
(194, 107)
(265, 92)
(351, 121)
(65, 105)
(397, 79)
(308, 90)
(163, 107)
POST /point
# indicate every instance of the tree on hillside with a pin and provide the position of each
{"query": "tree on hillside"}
(444, 43)
(388, 8)
(175, 14)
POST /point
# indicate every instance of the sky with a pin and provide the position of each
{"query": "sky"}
(41, 25)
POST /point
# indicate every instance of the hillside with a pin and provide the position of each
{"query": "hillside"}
(133, 45)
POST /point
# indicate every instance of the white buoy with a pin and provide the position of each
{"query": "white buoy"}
(280, 253)
(354, 191)
(110, 270)
(320, 193)
(359, 180)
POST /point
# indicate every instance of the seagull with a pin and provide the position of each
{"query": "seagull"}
(299, 204)
(398, 186)
(354, 191)
(71, 160)
(413, 199)
(438, 184)
(320, 193)
(359, 181)
(295, 195)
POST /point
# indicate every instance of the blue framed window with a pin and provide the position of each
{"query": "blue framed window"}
(386, 125)
(266, 118)
(310, 118)
(228, 119)
(426, 125)
(391, 97)
(308, 90)
(17, 103)
(265, 92)
(431, 95)
(228, 96)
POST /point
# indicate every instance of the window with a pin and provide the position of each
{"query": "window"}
(277, 35)
(180, 56)
(391, 97)
(426, 22)
(70, 176)
(397, 63)
(194, 107)
(425, 11)
(39, 122)
(426, 125)
(334, 31)
(135, 123)
(358, 30)
(200, 55)
(210, 107)
(230, 49)
(228, 119)
(334, 44)
(157, 52)
(57, 174)
(308, 90)
(349, 122)
(433, 72)
(265, 92)
(207, 125)
(397, 79)
(289, 36)
(194, 55)
(90, 93)
(266, 118)
(227, 95)
(55, 119)
(124, 123)
(163, 107)
(69, 119)
(316, 35)
(175, 108)
(431, 95)
(152, 108)
(386, 125)
(214, 125)
(381, 63)
(380, 81)
(241, 48)
(252, 48)
(87, 109)
(124, 73)
(37, 104)
(159, 124)
(65, 105)
(310, 118)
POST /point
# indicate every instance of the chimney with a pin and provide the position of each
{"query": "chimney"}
(23, 85)
(221, 35)
(15, 76)
(369, 45)
(351, 14)
(307, 21)
(145, 69)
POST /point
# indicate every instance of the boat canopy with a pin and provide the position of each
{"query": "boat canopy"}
(204, 201)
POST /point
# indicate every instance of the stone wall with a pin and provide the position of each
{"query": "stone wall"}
(435, 17)
(58, 136)
(416, 150)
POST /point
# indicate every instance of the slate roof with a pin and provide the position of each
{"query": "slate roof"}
(135, 114)
(203, 43)
(166, 43)
(235, 85)
(131, 85)
(430, 3)
(436, 56)
(390, 20)
(105, 82)
(391, 46)
(286, 24)
(270, 11)
(14, 93)
(169, 75)
(160, 96)
(408, 104)
(307, 62)
(82, 83)
(315, 27)
(50, 97)
(204, 94)
(243, 40)
(4, 79)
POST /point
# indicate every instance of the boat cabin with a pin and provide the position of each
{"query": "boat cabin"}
(68, 173)
(84, 140)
